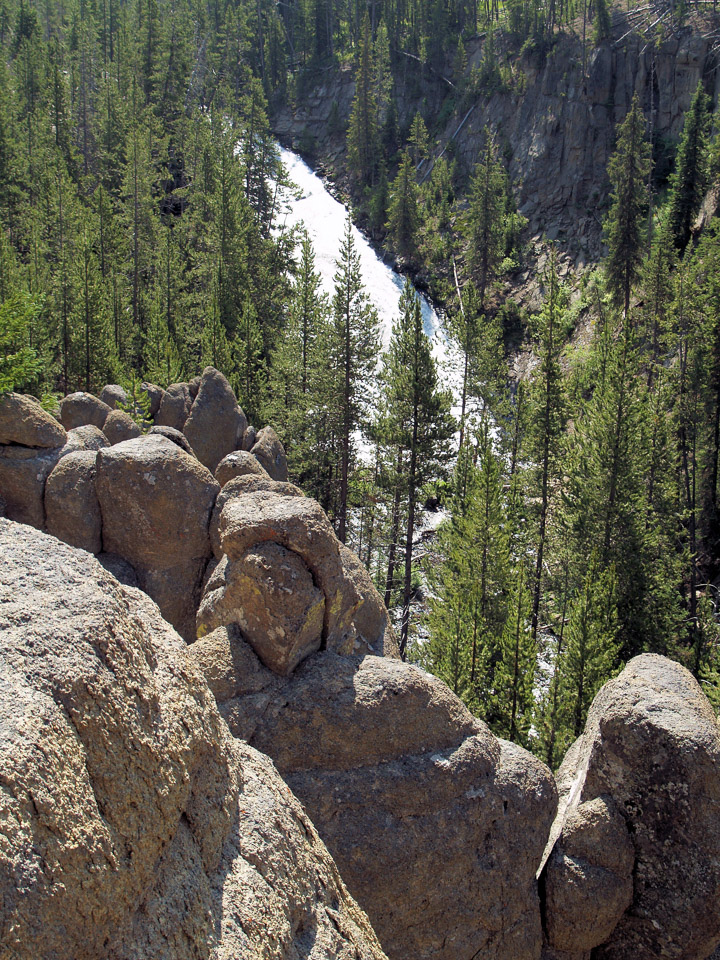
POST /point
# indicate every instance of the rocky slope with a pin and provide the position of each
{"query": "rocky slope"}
(137, 817)
(131, 824)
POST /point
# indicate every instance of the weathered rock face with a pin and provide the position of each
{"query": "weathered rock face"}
(71, 506)
(155, 396)
(23, 421)
(177, 437)
(652, 745)
(240, 463)
(174, 407)
(114, 396)
(270, 454)
(269, 592)
(23, 472)
(120, 426)
(239, 486)
(132, 825)
(214, 420)
(588, 878)
(87, 437)
(249, 439)
(436, 826)
(79, 409)
(156, 503)
(300, 525)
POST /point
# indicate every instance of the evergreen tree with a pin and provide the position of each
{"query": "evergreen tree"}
(354, 350)
(416, 419)
(362, 129)
(402, 224)
(628, 172)
(484, 221)
(690, 179)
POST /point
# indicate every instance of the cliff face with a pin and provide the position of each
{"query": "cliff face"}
(555, 127)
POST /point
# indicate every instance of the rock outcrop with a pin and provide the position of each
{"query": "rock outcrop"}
(71, 504)
(639, 798)
(240, 463)
(174, 407)
(132, 825)
(120, 426)
(270, 454)
(23, 421)
(216, 425)
(79, 409)
(437, 827)
(156, 503)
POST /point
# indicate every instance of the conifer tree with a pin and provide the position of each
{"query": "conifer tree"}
(354, 350)
(624, 228)
(403, 218)
(362, 129)
(484, 221)
(416, 419)
(690, 179)
(514, 678)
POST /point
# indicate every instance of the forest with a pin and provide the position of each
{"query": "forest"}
(142, 239)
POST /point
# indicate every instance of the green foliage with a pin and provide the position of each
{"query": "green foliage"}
(628, 171)
(690, 178)
(19, 362)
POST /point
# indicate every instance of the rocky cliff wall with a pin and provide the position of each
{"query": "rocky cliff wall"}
(556, 127)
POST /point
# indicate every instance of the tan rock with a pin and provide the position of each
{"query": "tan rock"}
(177, 437)
(87, 437)
(72, 510)
(239, 486)
(23, 421)
(120, 426)
(23, 472)
(652, 744)
(436, 826)
(79, 409)
(156, 502)
(588, 878)
(132, 825)
(155, 396)
(240, 463)
(214, 420)
(249, 438)
(114, 396)
(174, 407)
(269, 593)
(270, 454)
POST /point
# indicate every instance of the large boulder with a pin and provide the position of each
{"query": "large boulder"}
(269, 592)
(270, 454)
(79, 409)
(120, 426)
(156, 502)
(24, 421)
(114, 396)
(177, 437)
(174, 407)
(155, 396)
(71, 506)
(214, 420)
(588, 880)
(23, 473)
(132, 825)
(652, 745)
(87, 437)
(437, 827)
(300, 525)
(240, 463)
(239, 486)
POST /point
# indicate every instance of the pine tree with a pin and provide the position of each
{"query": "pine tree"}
(690, 179)
(362, 129)
(403, 218)
(354, 352)
(484, 221)
(624, 227)
(416, 419)
(514, 680)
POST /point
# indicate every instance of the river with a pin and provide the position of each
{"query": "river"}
(324, 218)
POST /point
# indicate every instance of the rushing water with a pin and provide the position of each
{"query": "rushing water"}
(324, 218)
